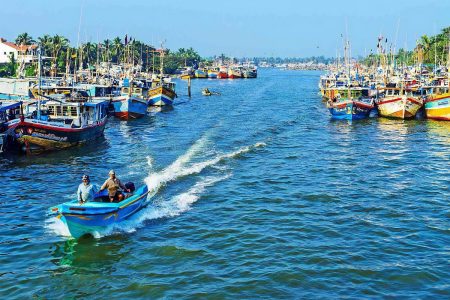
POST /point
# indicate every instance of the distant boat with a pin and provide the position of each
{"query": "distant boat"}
(162, 93)
(61, 124)
(250, 73)
(199, 73)
(437, 104)
(212, 73)
(234, 73)
(355, 106)
(401, 103)
(130, 104)
(9, 119)
(99, 214)
(223, 72)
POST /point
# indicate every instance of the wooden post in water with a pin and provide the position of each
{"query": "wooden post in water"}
(189, 86)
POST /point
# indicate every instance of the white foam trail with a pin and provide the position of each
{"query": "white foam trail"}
(179, 169)
(174, 207)
(57, 226)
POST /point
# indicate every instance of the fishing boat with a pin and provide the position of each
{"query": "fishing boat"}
(200, 73)
(223, 72)
(98, 215)
(437, 103)
(399, 102)
(129, 104)
(9, 118)
(351, 104)
(250, 73)
(213, 72)
(58, 124)
(162, 92)
(234, 72)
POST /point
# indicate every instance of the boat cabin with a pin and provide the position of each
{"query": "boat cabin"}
(74, 114)
(9, 110)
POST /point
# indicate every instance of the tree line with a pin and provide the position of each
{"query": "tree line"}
(429, 51)
(60, 57)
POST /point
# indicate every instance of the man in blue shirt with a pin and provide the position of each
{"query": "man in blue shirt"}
(86, 190)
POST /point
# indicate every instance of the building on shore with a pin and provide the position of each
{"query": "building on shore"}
(22, 53)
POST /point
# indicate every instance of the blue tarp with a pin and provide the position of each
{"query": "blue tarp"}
(10, 106)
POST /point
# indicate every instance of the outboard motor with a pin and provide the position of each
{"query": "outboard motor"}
(130, 186)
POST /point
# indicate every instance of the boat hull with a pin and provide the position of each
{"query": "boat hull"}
(250, 74)
(200, 74)
(33, 134)
(438, 108)
(399, 108)
(161, 96)
(212, 74)
(127, 108)
(350, 110)
(222, 75)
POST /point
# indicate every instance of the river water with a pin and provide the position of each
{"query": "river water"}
(260, 195)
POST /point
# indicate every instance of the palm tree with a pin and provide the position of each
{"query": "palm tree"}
(58, 43)
(117, 48)
(24, 39)
(45, 42)
(106, 50)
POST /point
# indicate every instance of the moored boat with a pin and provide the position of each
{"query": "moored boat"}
(200, 73)
(99, 214)
(250, 73)
(9, 114)
(223, 72)
(399, 102)
(437, 104)
(234, 73)
(130, 104)
(162, 93)
(213, 72)
(351, 104)
(61, 124)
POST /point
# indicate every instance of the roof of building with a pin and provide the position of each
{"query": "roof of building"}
(19, 47)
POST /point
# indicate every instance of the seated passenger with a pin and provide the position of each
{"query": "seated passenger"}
(114, 187)
(86, 190)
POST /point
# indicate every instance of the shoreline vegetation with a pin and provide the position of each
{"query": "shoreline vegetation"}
(60, 57)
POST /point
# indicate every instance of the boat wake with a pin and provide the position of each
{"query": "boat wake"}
(182, 167)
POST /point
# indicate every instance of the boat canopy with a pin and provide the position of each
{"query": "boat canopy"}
(10, 106)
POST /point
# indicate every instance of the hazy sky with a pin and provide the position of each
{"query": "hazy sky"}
(233, 27)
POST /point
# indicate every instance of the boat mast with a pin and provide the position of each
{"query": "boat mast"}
(39, 82)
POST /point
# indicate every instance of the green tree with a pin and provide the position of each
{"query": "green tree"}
(24, 39)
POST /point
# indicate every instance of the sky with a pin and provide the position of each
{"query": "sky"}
(236, 28)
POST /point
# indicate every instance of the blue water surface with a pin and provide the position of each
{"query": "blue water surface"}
(259, 195)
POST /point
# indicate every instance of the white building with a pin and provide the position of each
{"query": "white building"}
(21, 52)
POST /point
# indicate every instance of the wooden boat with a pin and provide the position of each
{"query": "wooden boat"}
(213, 73)
(250, 73)
(130, 104)
(351, 104)
(99, 214)
(199, 73)
(61, 124)
(437, 103)
(223, 72)
(161, 93)
(234, 73)
(401, 103)
(9, 119)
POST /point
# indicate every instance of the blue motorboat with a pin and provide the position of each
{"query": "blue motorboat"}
(100, 214)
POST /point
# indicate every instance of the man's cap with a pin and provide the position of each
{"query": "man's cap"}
(112, 172)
